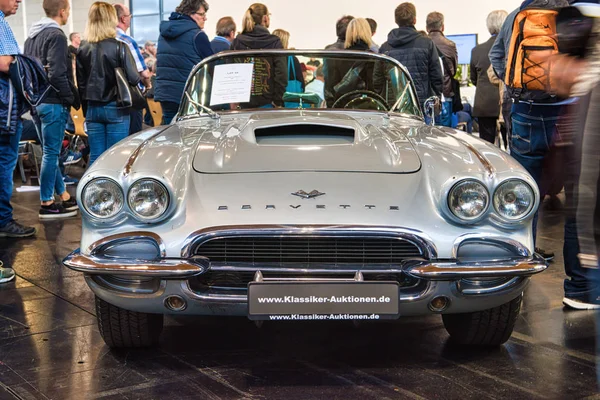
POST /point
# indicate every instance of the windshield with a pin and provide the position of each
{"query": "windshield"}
(265, 79)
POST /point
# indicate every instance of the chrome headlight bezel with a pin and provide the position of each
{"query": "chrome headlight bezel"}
(530, 209)
(90, 212)
(154, 218)
(463, 219)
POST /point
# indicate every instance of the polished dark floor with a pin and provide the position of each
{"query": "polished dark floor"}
(50, 347)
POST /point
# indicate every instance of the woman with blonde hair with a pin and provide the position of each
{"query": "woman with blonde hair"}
(294, 67)
(358, 35)
(256, 36)
(97, 59)
(345, 76)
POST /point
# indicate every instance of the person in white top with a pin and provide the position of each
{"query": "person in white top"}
(318, 84)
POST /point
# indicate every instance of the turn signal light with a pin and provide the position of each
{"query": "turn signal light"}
(439, 304)
(175, 303)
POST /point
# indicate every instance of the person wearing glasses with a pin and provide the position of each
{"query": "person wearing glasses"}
(124, 17)
(182, 44)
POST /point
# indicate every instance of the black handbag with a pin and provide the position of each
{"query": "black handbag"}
(128, 96)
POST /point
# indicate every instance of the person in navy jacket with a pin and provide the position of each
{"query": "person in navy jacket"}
(182, 44)
(225, 35)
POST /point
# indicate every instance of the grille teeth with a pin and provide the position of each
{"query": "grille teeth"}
(309, 251)
(239, 280)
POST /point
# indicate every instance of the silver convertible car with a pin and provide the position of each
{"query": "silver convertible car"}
(275, 199)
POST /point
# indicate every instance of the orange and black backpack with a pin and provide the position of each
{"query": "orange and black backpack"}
(533, 39)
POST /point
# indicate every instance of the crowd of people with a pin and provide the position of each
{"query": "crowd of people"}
(86, 74)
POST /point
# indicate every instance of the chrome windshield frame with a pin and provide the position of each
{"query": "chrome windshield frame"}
(304, 53)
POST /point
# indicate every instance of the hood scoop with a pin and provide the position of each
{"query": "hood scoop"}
(304, 135)
(297, 142)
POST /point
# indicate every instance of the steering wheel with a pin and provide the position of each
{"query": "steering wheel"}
(361, 100)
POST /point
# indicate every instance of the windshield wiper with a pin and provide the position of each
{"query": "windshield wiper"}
(199, 106)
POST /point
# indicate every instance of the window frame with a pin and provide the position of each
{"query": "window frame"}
(160, 13)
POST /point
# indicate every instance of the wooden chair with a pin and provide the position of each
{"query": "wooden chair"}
(78, 120)
(156, 110)
(78, 138)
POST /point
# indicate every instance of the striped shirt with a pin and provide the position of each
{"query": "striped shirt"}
(134, 48)
(8, 43)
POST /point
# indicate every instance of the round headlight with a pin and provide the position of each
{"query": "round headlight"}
(514, 200)
(148, 199)
(468, 200)
(103, 198)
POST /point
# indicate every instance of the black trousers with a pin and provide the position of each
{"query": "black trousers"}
(135, 122)
(488, 129)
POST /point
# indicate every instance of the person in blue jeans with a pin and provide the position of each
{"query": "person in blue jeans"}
(533, 124)
(48, 43)
(106, 123)
(9, 139)
(533, 129)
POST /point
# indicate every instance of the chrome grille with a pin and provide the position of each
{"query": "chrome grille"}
(309, 251)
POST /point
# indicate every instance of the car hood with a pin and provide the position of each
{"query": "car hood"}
(298, 141)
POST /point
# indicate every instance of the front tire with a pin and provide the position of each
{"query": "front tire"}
(491, 327)
(122, 328)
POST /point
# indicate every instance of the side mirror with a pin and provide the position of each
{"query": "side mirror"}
(432, 108)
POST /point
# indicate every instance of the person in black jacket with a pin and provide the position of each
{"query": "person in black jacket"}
(341, 26)
(417, 53)
(49, 44)
(270, 73)
(97, 59)
(339, 79)
(487, 96)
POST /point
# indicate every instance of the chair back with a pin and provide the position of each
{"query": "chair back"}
(78, 121)
(156, 111)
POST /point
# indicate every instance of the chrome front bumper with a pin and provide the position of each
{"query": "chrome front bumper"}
(427, 270)
(162, 268)
(144, 285)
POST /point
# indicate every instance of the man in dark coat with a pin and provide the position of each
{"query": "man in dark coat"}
(182, 44)
(449, 53)
(416, 52)
(487, 96)
(341, 27)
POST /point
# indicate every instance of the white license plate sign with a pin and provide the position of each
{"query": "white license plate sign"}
(302, 301)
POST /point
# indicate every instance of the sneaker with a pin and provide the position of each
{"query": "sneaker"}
(582, 303)
(68, 180)
(546, 255)
(6, 274)
(72, 157)
(55, 211)
(15, 230)
(70, 205)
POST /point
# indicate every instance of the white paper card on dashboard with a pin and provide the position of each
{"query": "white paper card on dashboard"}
(232, 83)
